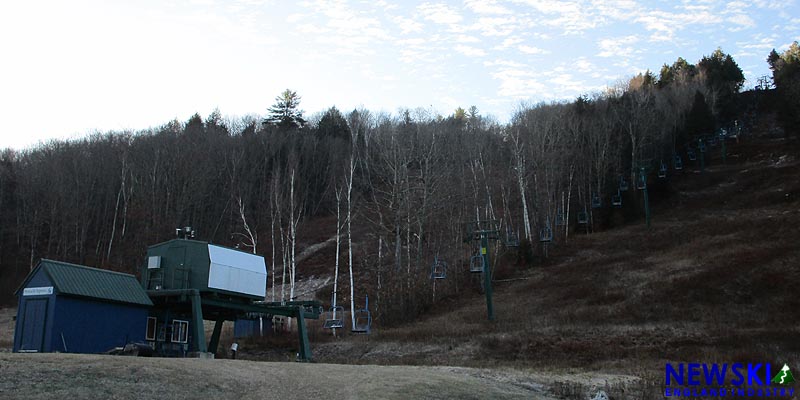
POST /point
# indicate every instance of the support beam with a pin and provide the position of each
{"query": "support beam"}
(287, 311)
(198, 332)
(305, 348)
(213, 345)
(487, 275)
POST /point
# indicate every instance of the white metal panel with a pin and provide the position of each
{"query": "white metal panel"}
(237, 271)
(37, 291)
(153, 262)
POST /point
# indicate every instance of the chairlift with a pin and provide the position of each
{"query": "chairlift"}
(546, 234)
(438, 269)
(691, 154)
(476, 263)
(336, 320)
(561, 220)
(662, 170)
(583, 217)
(701, 145)
(678, 163)
(597, 202)
(363, 319)
(641, 182)
(616, 200)
(623, 184)
(512, 239)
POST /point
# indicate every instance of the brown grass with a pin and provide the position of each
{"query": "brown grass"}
(713, 279)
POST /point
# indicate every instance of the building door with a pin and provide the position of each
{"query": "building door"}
(179, 272)
(33, 325)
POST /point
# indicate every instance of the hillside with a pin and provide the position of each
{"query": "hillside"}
(712, 279)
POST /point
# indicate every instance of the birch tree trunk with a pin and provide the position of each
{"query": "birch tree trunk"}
(350, 239)
(336, 262)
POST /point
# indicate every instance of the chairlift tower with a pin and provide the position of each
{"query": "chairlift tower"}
(701, 147)
(724, 149)
(484, 231)
(641, 184)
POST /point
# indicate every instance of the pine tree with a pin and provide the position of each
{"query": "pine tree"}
(285, 113)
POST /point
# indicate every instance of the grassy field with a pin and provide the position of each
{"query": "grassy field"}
(76, 376)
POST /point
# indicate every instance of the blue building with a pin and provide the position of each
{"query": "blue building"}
(76, 309)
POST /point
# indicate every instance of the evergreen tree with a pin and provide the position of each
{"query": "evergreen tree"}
(786, 75)
(724, 77)
(285, 113)
(679, 71)
(333, 125)
(700, 121)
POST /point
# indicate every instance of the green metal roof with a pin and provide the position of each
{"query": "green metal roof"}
(79, 280)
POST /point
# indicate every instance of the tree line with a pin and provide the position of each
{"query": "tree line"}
(407, 182)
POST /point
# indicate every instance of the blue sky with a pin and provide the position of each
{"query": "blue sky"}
(70, 68)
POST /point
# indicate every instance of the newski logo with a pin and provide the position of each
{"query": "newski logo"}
(724, 380)
(784, 377)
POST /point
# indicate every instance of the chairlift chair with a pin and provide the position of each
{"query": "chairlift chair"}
(336, 320)
(363, 319)
(476, 263)
(616, 200)
(641, 181)
(662, 170)
(438, 269)
(623, 184)
(546, 234)
(691, 154)
(512, 239)
(583, 217)
(678, 163)
(597, 202)
(561, 220)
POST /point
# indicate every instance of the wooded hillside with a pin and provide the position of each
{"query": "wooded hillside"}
(416, 177)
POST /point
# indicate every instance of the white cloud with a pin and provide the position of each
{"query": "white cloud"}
(571, 17)
(742, 20)
(407, 25)
(294, 18)
(343, 30)
(486, 7)
(503, 63)
(616, 9)
(495, 26)
(467, 39)
(666, 24)
(617, 47)
(310, 29)
(760, 43)
(470, 51)
(439, 13)
(510, 41)
(736, 7)
(532, 50)
(583, 65)
(519, 84)
(773, 4)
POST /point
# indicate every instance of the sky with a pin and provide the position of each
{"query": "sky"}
(71, 68)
